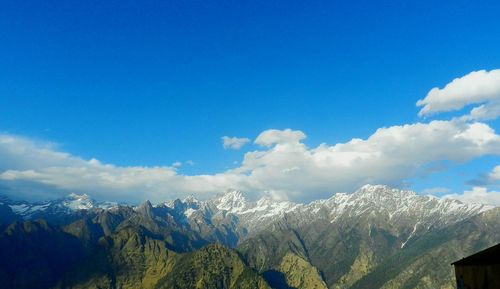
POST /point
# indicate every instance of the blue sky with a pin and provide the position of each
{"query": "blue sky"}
(150, 83)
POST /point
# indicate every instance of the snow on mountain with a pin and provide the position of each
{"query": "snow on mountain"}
(71, 203)
(375, 203)
(74, 202)
(189, 212)
(77, 202)
(398, 205)
(400, 208)
(232, 202)
(25, 209)
(252, 214)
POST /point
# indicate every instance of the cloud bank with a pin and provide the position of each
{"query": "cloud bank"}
(285, 167)
(282, 166)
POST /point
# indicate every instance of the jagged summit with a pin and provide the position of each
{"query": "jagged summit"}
(383, 191)
(396, 206)
(231, 194)
(373, 187)
(146, 205)
(74, 201)
(232, 201)
(145, 209)
(190, 199)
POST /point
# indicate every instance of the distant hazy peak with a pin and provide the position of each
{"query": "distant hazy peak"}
(190, 199)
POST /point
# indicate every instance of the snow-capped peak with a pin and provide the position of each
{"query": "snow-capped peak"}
(77, 202)
(68, 204)
(399, 206)
(371, 187)
(190, 200)
(382, 191)
(232, 201)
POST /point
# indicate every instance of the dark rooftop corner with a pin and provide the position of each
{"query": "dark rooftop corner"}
(488, 256)
(480, 270)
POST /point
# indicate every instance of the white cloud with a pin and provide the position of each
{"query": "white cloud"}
(478, 87)
(484, 112)
(494, 176)
(478, 195)
(274, 136)
(234, 143)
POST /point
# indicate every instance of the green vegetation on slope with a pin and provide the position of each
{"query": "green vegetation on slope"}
(133, 257)
(212, 267)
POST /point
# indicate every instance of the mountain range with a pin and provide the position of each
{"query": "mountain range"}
(376, 237)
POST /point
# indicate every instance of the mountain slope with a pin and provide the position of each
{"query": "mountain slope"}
(35, 254)
(376, 237)
(437, 250)
(136, 258)
(231, 218)
(130, 258)
(212, 267)
(348, 237)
